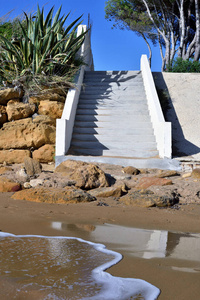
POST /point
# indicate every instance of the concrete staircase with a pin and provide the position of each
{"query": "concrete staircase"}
(112, 120)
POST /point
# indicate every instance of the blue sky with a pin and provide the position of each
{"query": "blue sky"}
(113, 49)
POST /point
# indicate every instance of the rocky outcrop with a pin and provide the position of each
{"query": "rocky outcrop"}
(53, 109)
(88, 177)
(17, 111)
(146, 198)
(7, 185)
(146, 182)
(24, 134)
(54, 195)
(44, 154)
(3, 115)
(13, 156)
(10, 94)
(32, 166)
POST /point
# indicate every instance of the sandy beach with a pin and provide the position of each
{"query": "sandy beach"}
(25, 217)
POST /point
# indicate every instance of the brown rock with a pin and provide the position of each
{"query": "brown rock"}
(13, 156)
(44, 154)
(196, 173)
(131, 170)
(47, 97)
(89, 176)
(69, 166)
(145, 198)
(7, 185)
(5, 169)
(42, 119)
(19, 110)
(146, 182)
(3, 115)
(53, 109)
(113, 191)
(54, 195)
(23, 134)
(32, 166)
(10, 93)
(168, 173)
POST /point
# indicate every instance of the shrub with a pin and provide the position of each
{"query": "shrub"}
(180, 65)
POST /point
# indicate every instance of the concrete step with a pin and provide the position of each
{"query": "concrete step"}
(113, 105)
(134, 110)
(114, 145)
(129, 121)
(115, 101)
(115, 153)
(110, 125)
(113, 137)
(124, 92)
(112, 131)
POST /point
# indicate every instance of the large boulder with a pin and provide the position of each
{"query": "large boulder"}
(9, 94)
(69, 166)
(23, 134)
(89, 176)
(146, 198)
(32, 166)
(14, 156)
(3, 115)
(17, 111)
(146, 182)
(44, 154)
(47, 97)
(7, 185)
(112, 191)
(53, 109)
(42, 119)
(69, 194)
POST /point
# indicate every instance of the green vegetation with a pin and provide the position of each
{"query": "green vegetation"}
(180, 65)
(41, 50)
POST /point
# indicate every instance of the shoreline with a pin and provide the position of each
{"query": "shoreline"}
(25, 217)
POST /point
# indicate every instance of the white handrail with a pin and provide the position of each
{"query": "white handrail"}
(162, 129)
(64, 126)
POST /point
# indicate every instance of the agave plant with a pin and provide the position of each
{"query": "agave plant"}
(46, 46)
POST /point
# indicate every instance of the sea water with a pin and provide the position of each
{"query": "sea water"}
(41, 267)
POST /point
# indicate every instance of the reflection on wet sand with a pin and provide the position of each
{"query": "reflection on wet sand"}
(144, 243)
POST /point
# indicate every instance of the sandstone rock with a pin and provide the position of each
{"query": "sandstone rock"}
(69, 165)
(4, 169)
(47, 97)
(113, 191)
(44, 154)
(131, 170)
(53, 109)
(196, 173)
(166, 173)
(54, 195)
(146, 182)
(10, 93)
(32, 166)
(145, 198)
(7, 185)
(42, 119)
(13, 156)
(23, 134)
(22, 175)
(17, 111)
(186, 175)
(3, 115)
(89, 176)
(27, 185)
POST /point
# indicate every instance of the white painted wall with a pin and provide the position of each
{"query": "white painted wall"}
(64, 126)
(162, 129)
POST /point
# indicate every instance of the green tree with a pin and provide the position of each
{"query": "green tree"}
(174, 25)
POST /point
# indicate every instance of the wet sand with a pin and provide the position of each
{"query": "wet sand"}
(22, 217)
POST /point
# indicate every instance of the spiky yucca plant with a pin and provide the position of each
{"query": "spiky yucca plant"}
(46, 47)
